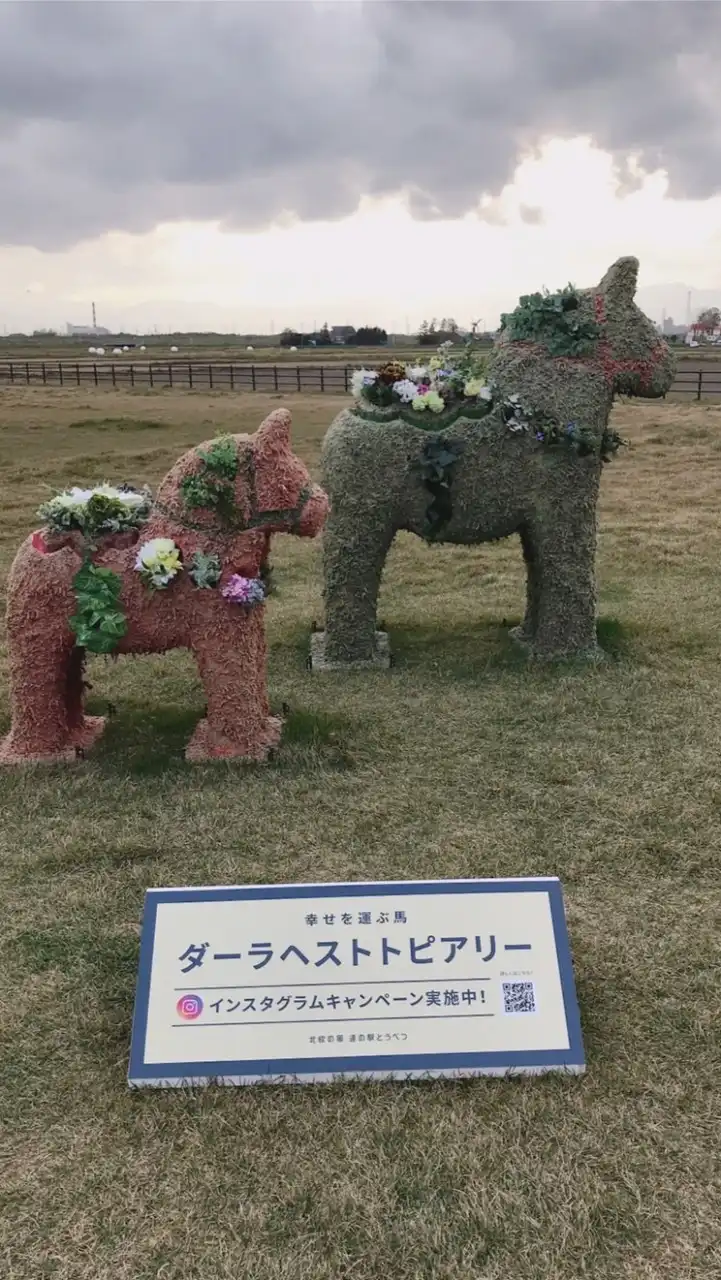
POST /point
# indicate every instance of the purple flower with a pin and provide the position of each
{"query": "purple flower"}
(571, 428)
(539, 435)
(240, 590)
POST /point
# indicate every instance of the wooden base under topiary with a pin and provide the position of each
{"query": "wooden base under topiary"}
(380, 658)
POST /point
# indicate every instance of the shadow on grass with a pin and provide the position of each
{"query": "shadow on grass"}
(150, 742)
(473, 650)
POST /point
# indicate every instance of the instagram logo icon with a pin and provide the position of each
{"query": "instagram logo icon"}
(189, 1007)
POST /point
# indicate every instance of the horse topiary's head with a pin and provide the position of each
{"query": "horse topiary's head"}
(635, 360)
(602, 327)
(227, 496)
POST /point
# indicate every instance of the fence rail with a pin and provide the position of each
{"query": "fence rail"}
(189, 375)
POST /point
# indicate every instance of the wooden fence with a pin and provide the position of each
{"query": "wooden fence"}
(699, 382)
(186, 375)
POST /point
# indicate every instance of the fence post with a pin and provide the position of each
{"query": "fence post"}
(345, 378)
(150, 373)
(95, 374)
(232, 381)
(210, 376)
(190, 374)
(77, 374)
(27, 373)
(12, 372)
(252, 376)
(700, 383)
(44, 374)
(132, 376)
(275, 376)
(297, 375)
(322, 378)
(112, 370)
(60, 372)
(170, 373)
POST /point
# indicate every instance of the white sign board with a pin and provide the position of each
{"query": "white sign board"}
(386, 980)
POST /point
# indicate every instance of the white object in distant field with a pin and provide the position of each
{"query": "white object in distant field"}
(126, 348)
(142, 348)
(173, 348)
(294, 348)
(117, 351)
(249, 348)
(91, 351)
(100, 351)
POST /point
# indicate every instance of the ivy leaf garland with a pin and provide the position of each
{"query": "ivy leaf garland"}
(213, 487)
(553, 320)
(99, 622)
(438, 458)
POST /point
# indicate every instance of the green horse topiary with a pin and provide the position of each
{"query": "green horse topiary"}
(522, 455)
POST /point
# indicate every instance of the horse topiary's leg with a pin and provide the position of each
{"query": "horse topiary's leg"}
(527, 630)
(566, 547)
(353, 561)
(40, 728)
(231, 657)
(45, 665)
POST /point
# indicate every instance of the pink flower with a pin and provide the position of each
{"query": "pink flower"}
(240, 590)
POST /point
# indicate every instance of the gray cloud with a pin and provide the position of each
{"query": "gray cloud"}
(116, 116)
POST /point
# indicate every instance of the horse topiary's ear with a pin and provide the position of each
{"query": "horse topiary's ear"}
(619, 282)
(273, 434)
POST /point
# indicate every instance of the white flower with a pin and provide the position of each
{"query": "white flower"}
(151, 550)
(485, 393)
(362, 378)
(159, 561)
(406, 389)
(417, 372)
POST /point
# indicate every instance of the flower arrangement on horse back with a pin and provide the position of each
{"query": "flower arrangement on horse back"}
(450, 380)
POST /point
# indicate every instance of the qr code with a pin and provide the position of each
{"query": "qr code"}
(519, 997)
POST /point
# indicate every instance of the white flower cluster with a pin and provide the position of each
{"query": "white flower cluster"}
(516, 420)
(406, 389)
(431, 387)
(121, 509)
(362, 378)
(75, 499)
(158, 561)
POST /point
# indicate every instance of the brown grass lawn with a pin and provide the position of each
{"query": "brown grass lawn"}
(461, 761)
(192, 348)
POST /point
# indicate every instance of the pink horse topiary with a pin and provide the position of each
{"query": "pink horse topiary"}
(218, 506)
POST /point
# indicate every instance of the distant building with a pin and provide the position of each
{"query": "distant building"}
(86, 331)
(340, 333)
(671, 330)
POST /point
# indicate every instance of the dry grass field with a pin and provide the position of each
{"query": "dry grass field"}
(191, 347)
(461, 761)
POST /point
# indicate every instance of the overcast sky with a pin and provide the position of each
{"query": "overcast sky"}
(349, 161)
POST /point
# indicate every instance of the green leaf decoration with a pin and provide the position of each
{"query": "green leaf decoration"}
(221, 457)
(99, 622)
(438, 458)
(553, 321)
(205, 570)
(213, 486)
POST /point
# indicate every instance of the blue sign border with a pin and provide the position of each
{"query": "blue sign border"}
(571, 1059)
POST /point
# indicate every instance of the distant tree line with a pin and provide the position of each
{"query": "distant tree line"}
(366, 336)
(709, 319)
(432, 334)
